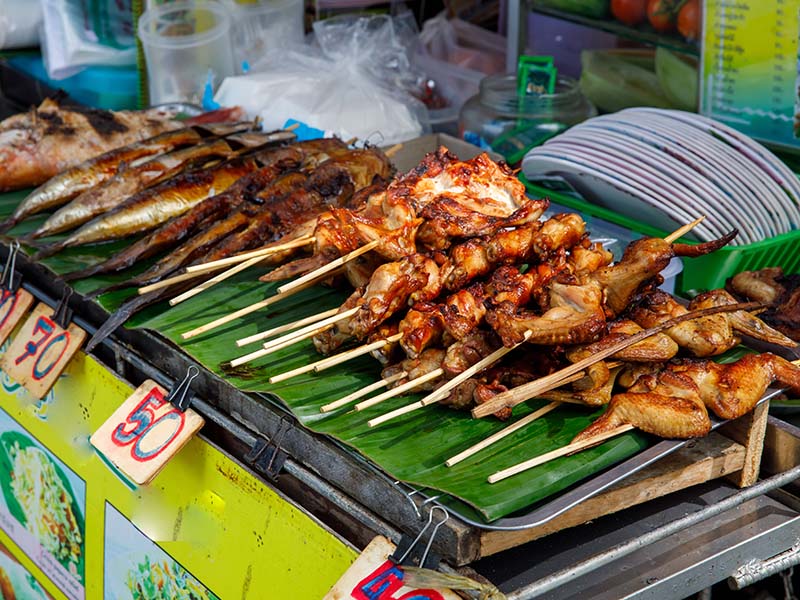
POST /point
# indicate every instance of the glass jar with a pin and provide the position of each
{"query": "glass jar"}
(500, 120)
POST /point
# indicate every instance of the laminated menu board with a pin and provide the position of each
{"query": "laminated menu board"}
(205, 528)
(749, 68)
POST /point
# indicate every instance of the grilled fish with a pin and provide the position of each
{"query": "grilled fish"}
(153, 206)
(333, 184)
(60, 189)
(212, 209)
(129, 181)
(278, 210)
(38, 145)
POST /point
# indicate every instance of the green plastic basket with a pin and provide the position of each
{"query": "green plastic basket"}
(705, 272)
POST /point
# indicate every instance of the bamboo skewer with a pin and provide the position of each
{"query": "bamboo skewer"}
(216, 279)
(345, 400)
(444, 390)
(169, 281)
(557, 453)
(265, 251)
(530, 390)
(401, 389)
(675, 235)
(338, 359)
(287, 327)
(335, 264)
(330, 361)
(311, 329)
(240, 313)
(505, 432)
(393, 150)
(271, 349)
(194, 271)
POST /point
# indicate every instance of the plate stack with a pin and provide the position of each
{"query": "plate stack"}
(667, 167)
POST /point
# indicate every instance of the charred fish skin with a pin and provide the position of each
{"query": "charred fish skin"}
(126, 183)
(199, 244)
(73, 181)
(35, 147)
(274, 162)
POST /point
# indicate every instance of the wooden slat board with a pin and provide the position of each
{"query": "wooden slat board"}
(704, 459)
(749, 431)
(41, 351)
(145, 432)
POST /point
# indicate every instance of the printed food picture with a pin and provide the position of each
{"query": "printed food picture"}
(39, 495)
(136, 568)
(164, 579)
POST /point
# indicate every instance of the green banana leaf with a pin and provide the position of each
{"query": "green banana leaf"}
(10, 439)
(411, 448)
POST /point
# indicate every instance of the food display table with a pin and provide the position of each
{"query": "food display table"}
(665, 548)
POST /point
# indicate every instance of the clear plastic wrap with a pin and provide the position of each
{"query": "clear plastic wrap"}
(77, 34)
(351, 83)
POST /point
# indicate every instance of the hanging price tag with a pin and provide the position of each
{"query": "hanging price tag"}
(145, 432)
(13, 306)
(374, 577)
(41, 351)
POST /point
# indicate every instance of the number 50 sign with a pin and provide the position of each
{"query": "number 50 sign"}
(145, 432)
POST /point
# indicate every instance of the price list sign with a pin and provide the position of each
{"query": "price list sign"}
(750, 67)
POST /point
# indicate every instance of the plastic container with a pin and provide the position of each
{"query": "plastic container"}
(499, 119)
(704, 272)
(265, 25)
(185, 43)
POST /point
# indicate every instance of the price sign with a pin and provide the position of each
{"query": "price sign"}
(750, 67)
(41, 351)
(374, 577)
(13, 306)
(145, 432)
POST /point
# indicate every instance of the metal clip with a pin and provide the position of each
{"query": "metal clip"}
(62, 314)
(408, 495)
(407, 552)
(266, 455)
(180, 395)
(10, 279)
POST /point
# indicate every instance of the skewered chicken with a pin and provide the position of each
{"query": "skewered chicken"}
(672, 401)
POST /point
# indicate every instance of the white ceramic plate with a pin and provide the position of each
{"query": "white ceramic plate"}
(768, 202)
(672, 198)
(638, 153)
(702, 156)
(610, 191)
(757, 154)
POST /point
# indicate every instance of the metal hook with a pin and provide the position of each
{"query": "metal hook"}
(434, 532)
(284, 426)
(408, 497)
(62, 314)
(179, 396)
(7, 279)
(416, 540)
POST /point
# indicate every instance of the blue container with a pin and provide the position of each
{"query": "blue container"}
(113, 88)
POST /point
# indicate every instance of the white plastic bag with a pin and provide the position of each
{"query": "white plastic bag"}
(78, 33)
(19, 23)
(351, 84)
(457, 55)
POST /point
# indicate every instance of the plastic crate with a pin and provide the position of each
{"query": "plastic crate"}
(705, 272)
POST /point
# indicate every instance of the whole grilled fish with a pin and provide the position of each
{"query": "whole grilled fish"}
(153, 206)
(128, 181)
(332, 185)
(61, 188)
(273, 213)
(200, 244)
(206, 213)
(38, 145)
